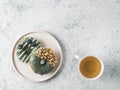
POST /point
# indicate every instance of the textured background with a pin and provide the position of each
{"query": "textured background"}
(81, 26)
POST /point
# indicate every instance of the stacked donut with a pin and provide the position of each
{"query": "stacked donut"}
(41, 59)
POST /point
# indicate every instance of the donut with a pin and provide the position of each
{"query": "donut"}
(43, 61)
(25, 48)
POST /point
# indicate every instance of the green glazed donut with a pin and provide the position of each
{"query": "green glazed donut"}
(39, 65)
(26, 47)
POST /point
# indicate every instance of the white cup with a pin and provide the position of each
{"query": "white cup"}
(81, 59)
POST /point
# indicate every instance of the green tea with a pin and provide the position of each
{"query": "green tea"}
(90, 67)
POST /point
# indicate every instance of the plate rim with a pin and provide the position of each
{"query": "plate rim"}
(32, 80)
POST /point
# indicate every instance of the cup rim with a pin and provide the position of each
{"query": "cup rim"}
(96, 77)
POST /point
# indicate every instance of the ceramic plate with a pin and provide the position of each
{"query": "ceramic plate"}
(25, 70)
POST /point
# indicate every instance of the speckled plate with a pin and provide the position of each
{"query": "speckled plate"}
(25, 70)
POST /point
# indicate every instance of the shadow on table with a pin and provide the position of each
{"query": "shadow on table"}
(111, 71)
